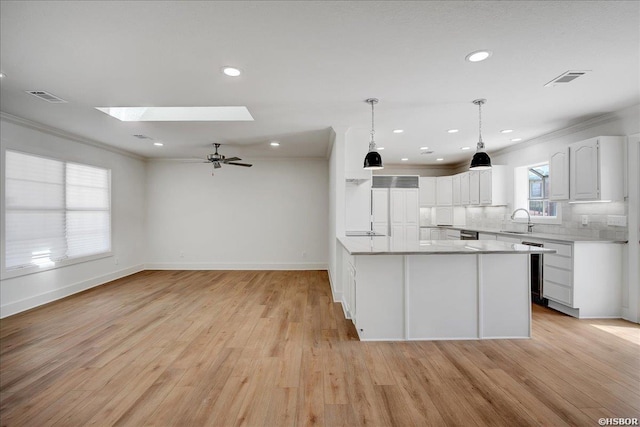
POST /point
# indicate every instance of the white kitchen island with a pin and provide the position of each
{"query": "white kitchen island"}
(437, 289)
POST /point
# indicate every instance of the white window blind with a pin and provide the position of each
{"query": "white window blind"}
(54, 211)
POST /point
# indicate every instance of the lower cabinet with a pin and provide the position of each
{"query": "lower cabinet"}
(584, 279)
(558, 274)
(487, 236)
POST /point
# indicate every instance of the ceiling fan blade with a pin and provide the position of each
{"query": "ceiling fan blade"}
(232, 159)
(247, 165)
(216, 165)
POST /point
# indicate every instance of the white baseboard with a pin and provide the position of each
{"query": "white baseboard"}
(56, 294)
(234, 266)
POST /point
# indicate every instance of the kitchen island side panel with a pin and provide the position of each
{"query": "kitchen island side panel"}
(380, 297)
(443, 297)
(505, 306)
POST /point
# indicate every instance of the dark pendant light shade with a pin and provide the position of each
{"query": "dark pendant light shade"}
(481, 159)
(372, 160)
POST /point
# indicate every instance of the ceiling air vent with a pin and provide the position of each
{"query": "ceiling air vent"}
(566, 77)
(141, 136)
(46, 96)
(426, 152)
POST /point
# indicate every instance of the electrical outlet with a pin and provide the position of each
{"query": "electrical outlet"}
(116, 260)
(585, 219)
(304, 254)
(617, 220)
(181, 254)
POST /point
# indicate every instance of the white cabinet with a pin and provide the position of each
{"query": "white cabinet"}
(558, 274)
(508, 239)
(444, 191)
(584, 279)
(596, 168)
(380, 210)
(456, 182)
(559, 174)
(474, 187)
(452, 234)
(487, 236)
(427, 190)
(444, 215)
(464, 188)
(493, 186)
(404, 213)
(438, 234)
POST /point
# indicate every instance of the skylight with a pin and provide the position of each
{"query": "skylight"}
(178, 114)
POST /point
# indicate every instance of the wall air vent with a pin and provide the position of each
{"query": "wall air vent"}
(46, 96)
(141, 136)
(566, 77)
(391, 181)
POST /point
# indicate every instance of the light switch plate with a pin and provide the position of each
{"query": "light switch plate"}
(617, 220)
(585, 219)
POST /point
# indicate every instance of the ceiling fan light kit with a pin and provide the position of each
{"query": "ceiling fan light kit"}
(218, 160)
(373, 160)
(481, 159)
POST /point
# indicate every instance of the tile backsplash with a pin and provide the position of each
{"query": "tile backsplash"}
(499, 217)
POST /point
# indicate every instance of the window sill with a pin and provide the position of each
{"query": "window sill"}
(23, 271)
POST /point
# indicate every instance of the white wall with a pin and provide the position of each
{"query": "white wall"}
(273, 215)
(128, 216)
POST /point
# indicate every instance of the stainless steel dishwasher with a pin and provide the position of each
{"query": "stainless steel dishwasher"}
(537, 276)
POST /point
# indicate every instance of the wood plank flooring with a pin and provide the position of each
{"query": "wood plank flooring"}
(270, 348)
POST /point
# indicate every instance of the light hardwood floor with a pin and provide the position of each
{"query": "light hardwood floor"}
(270, 348)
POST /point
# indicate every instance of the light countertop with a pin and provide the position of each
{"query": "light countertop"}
(389, 246)
(534, 235)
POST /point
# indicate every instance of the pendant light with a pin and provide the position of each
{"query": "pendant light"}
(373, 160)
(481, 159)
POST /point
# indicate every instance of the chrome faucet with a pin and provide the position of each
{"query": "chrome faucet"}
(529, 223)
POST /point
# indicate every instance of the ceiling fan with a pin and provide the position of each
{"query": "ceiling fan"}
(218, 160)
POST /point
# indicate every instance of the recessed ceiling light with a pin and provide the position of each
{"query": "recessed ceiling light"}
(424, 148)
(158, 144)
(380, 148)
(478, 55)
(452, 130)
(178, 114)
(439, 159)
(398, 130)
(516, 139)
(506, 131)
(274, 144)
(465, 148)
(2, 75)
(404, 159)
(231, 71)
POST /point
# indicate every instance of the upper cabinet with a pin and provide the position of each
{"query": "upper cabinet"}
(597, 169)
(444, 191)
(559, 174)
(457, 184)
(493, 186)
(427, 191)
(474, 187)
(464, 188)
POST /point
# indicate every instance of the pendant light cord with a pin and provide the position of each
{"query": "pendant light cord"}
(372, 144)
(480, 121)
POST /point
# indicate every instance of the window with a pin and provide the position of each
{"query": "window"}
(531, 192)
(539, 204)
(55, 212)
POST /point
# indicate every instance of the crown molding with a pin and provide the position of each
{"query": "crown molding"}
(67, 135)
(599, 120)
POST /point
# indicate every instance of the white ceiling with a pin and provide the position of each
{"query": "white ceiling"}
(309, 66)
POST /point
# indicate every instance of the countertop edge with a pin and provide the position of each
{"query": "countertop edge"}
(541, 236)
